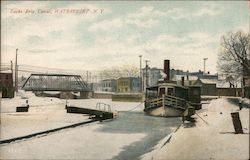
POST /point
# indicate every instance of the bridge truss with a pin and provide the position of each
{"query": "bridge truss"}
(55, 82)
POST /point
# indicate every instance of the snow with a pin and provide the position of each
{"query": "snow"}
(47, 113)
(81, 143)
(212, 138)
(44, 114)
(84, 142)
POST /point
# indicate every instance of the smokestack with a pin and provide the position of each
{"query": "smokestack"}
(182, 81)
(167, 70)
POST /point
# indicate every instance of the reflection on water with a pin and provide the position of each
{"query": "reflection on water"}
(155, 128)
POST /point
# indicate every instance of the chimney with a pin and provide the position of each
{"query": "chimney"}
(182, 81)
(166, 70)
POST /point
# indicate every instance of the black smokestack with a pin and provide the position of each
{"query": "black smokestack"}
(167, 70)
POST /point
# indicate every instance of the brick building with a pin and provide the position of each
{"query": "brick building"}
(6, 85)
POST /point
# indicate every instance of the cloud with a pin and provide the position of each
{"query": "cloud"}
(149, 16)
(41, 33)
(243, 27)
(145, 17)
(146, 12)
(92, 42)
(106, 25)
(206, 10)
(179, 49)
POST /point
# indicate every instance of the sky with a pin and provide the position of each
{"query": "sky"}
(96, 35)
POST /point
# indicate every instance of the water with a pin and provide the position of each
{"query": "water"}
(155, 128)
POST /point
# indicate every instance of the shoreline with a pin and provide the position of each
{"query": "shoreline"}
(212, 140)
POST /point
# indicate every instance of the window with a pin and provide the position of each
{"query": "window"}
(170, 91)
(162, 91)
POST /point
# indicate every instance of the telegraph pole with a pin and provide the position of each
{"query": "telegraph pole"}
(87, 79)
(146, 61)
(90, 77)
(140, 74)
(16, 73)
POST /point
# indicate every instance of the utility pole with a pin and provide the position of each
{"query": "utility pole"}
(87, 79)
(204, 65)
(11, 67)
(16, 73)
(140, 74)
(146, 61)
(90, 77)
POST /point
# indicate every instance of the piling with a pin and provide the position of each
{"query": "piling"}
(237, 123)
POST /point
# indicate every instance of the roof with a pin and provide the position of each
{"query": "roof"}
(178, 77)
(186, 82)
(108, 80)
(167, 84)
(208, 81)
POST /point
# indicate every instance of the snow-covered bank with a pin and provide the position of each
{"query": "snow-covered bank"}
(44, 114)
(210, 138)
(128, 136)
(80, 143)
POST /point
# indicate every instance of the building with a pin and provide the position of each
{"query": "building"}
(128, 85)
(6, 85)
(208, 86)
(185, 80)
(108, 85)
(198, 74)
(153, 76)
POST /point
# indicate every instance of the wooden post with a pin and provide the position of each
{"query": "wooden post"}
(237, 123)
(163, 100)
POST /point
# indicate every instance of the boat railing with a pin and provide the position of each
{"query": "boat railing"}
(156, 102)
(174, 102)
(170, 101)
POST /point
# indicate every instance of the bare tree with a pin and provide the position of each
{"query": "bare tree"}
(117, 72)
(233, 59)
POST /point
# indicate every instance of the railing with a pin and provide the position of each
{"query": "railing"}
(156, 102)
(103, 106)
(169, 101)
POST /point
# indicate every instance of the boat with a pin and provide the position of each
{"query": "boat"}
(168, 99)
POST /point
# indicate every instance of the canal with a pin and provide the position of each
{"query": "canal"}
(155, 128)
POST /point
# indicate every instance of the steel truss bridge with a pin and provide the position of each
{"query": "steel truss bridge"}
(55, 82)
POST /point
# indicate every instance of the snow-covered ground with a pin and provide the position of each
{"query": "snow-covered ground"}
(47, 113)
(210, 138)
(128, 136)
(44, 113)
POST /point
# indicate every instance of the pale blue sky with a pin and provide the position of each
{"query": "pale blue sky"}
(183, 31)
